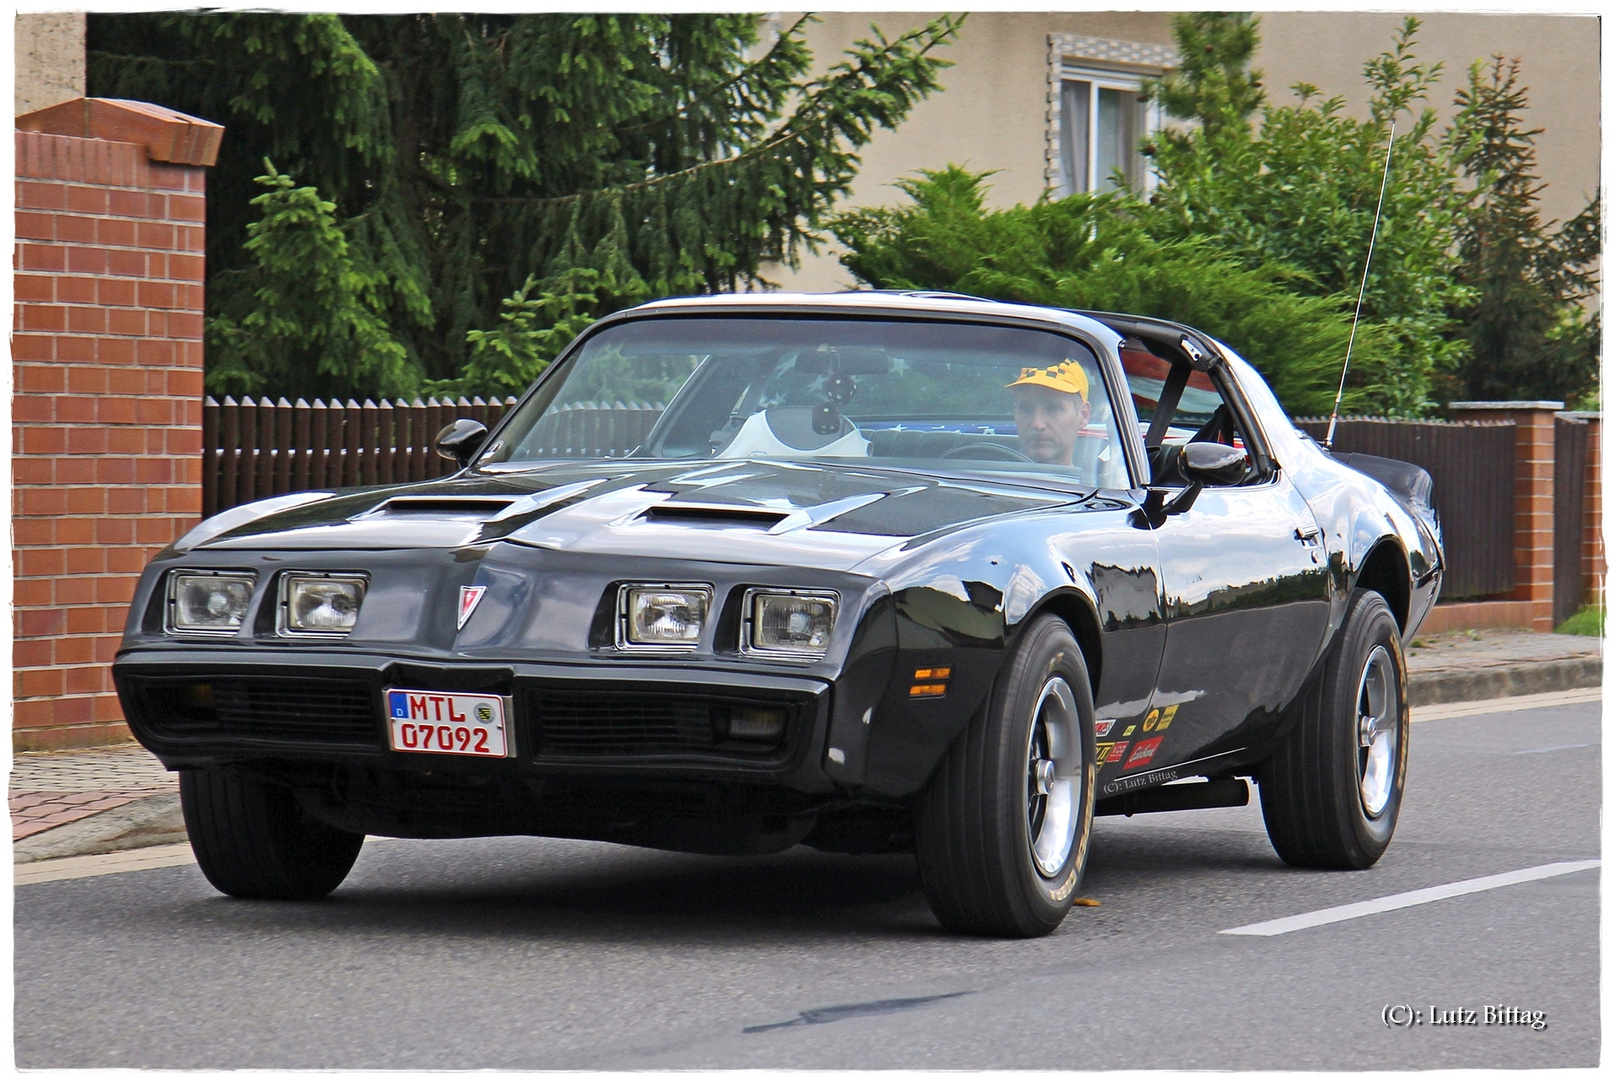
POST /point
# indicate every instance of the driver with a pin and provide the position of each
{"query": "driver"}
(1050, 409)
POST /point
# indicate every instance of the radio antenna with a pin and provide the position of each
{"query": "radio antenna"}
(1333, 420)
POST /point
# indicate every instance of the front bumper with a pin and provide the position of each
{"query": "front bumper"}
(579, 721)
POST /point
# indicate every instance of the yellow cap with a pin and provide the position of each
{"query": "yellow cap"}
(1067, 377)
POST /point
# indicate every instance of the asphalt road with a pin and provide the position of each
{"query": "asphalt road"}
(543, 954)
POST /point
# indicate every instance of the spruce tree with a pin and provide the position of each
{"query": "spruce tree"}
(1530, 336)
(543, 167)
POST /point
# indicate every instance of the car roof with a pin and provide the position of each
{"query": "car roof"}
(871, 300)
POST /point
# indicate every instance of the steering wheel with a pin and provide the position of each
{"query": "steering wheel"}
(990, 451)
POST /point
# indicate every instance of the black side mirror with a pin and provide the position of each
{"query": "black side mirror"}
(461, 440)
(1213, 464)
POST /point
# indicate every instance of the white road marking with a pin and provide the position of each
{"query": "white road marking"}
(1550, 749)
(114, 862)
(1408, 899)
(1507, 704)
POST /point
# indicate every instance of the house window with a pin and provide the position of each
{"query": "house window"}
(1103, 124)
(1098, 125)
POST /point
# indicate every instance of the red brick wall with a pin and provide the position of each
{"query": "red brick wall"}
(107, 367)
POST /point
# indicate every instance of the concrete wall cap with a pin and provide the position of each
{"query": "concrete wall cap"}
(1552, 406)
(167, 135)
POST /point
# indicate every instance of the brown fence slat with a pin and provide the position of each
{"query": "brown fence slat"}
(282, 445)
(300, 480)
(264, 473)
(229, 439)
(383, 442)
(353, 434)
(319, 446)
(248, 411)
(210, 457)
(1572, 438)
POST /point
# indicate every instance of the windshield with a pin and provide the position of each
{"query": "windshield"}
(916, 394)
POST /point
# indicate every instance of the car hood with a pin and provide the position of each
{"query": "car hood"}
(830, 516)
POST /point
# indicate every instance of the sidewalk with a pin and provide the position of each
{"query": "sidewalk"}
(93, 801)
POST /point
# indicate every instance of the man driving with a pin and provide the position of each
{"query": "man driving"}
(1050, 410)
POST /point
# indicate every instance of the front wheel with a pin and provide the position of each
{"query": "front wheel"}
(253, 841)
(1331, 793)
(1002, 830)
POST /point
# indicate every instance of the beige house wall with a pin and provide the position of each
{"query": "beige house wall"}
(992, 115)
(49, 48)
(994, 110)
(1559, 61)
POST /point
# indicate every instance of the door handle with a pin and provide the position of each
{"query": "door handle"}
(1308, 536)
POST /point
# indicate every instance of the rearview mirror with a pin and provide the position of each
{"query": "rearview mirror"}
(1213, 464)
(461, 440)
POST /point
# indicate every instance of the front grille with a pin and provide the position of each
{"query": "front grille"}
(608, 722)
(261, 710)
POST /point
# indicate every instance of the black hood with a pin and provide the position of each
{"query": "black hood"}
(832, 516)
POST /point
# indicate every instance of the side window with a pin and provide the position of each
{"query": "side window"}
(1199, 415)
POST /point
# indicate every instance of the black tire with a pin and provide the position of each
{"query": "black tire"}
(977, 820)
(1329, 803)
(252, 840)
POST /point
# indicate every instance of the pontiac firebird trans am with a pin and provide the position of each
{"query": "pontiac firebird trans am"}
(870, 572)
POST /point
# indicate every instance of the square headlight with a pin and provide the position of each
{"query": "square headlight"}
(208, 602)
(320, 603)
(662, 616)
(790, 624)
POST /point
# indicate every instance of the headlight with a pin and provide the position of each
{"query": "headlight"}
(789, 624)
(662, 616)
(320, 603)
(201, 602)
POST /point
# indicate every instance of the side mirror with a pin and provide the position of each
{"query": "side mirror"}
(1212, 464)
(461, 440)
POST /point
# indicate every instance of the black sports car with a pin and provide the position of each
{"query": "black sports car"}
(870, 572)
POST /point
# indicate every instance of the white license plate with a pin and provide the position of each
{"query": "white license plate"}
(432, 722)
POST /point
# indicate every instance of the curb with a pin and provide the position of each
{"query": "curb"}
(1503, 681)
(156, 820)
(146, 822)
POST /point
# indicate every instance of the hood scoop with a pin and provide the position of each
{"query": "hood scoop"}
(457, 507)
(703, 514)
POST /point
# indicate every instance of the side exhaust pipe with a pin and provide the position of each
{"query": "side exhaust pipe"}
(1211, 793)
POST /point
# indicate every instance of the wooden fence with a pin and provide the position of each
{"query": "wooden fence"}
(1472, 467)
(255, 449)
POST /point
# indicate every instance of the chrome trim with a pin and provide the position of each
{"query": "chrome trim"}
(748, 620)
(283, 594)
(249, 576)
(622, 591)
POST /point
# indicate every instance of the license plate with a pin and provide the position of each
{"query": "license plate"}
(431, 722)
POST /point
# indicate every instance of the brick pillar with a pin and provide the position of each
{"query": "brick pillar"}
(1535, 449)
(107, 370)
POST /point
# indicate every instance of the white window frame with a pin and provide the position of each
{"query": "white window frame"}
(1106, 65)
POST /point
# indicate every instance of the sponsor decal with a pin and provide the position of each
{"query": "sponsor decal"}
(1143, 753)
(1117, 752)
(1159, 719)
(1103, 752)
(1130, 728)
(1101, 728)
(470, 596)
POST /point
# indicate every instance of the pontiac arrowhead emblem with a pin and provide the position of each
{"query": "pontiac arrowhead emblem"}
(470, 596)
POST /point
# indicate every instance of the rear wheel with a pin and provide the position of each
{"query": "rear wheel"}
(1002, 830)
(1331, 794)
(252, 839)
